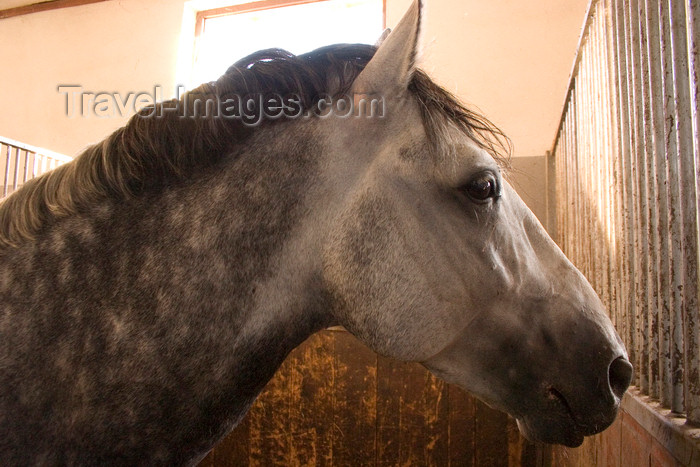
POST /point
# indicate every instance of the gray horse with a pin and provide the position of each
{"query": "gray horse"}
(150, 288)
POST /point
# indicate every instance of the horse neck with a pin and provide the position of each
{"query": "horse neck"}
(241, 230)
(204, 286)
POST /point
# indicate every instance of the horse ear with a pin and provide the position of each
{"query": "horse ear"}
(391, 68)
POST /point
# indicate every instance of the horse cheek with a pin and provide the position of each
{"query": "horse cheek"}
(377, 296)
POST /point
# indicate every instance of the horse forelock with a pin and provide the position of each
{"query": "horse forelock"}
(165, 143)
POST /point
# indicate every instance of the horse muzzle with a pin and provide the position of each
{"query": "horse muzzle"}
(567, 418)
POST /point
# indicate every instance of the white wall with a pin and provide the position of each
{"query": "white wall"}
(510, 58)
(112, 46)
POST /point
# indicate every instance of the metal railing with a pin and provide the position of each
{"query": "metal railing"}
(627, 160)
(20, 162)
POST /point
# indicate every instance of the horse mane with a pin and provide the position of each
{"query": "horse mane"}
(165, 142)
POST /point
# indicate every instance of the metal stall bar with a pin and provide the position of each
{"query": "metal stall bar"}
(692, 318)
(627, 156)
(688, 182)
(23, 162)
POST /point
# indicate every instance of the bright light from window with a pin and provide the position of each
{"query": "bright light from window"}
(297, 28)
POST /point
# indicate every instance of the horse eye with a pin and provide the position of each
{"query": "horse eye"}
(481, 188)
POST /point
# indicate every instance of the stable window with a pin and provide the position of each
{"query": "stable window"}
(224, 35)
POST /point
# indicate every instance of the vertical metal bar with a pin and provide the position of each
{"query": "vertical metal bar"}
(562, 201)
(558, 189)
(618, 64)
(596, 222)
(627, 142)
(606, 154)
(577, 211)
(626, 145)
(638, 167)
(584, 151)
(35, 165)
(692, 318)
(615, 167)
(607, 246)
(578, 174)
(674, 213)
(583, 169)
(571, 186)
(661, 326)
(25, 173)
(593, 194)
(679, 43)
(650, 208)
(646, 241)
(573, 183)
(589, 193)
(593, 166)
(612, 179)
(626, 261)
(5, 164)
(8, 159)
(16, 169)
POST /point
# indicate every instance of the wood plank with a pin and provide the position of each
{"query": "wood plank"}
(569, 457)
(43, 6)
(388, 411)
(355, 402)
(521, 452)
(233, 450)
(610, 445)
(587, 452)
(432, 412)
(268, 418)
(251, 7)
(311, 392)
(491, 445)
(636, 442)
(462, 428)
(412, 415)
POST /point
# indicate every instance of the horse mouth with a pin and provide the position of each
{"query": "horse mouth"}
(554, 395)
(559, 426)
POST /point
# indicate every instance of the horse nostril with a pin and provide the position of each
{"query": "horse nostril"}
(620, 376)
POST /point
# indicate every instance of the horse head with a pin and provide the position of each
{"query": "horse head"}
(467, 280)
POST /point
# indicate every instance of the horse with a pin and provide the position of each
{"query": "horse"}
(150, 288)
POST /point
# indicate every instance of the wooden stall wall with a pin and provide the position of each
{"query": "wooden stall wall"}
(625, 444)
(334, 402)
